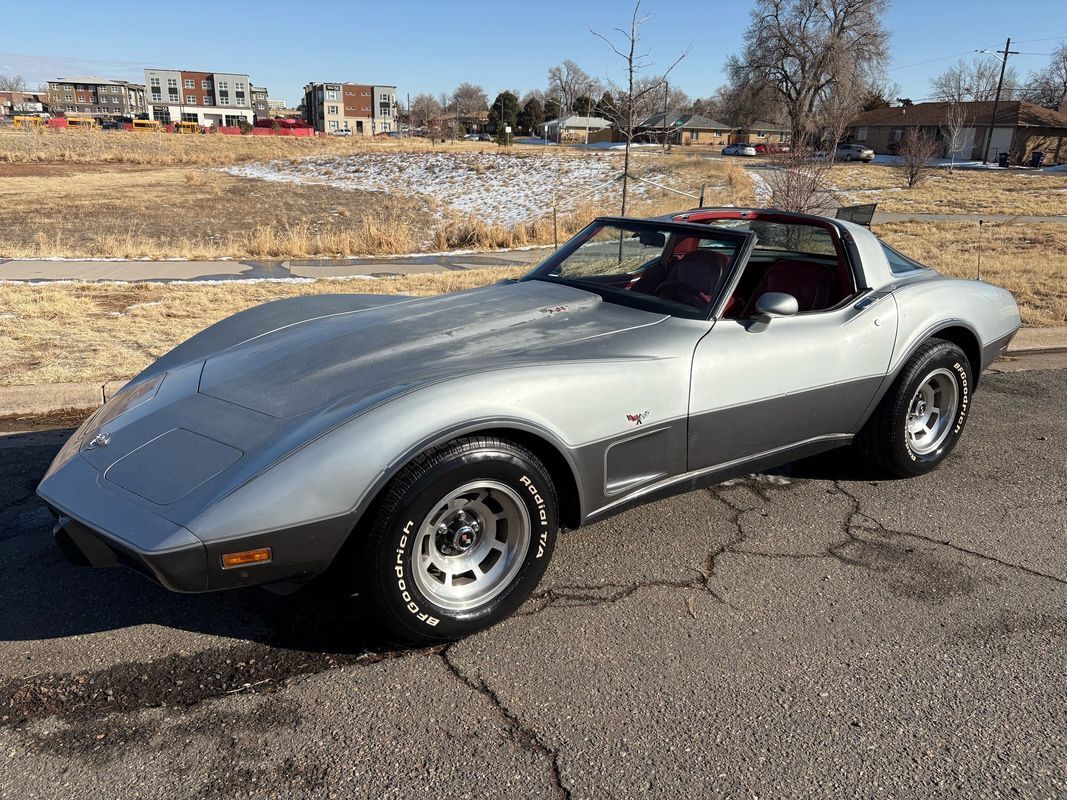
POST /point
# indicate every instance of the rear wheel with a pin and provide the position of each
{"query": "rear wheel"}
(461, 537)
(921, 418)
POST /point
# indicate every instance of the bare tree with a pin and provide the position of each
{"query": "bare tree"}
(567, 82)
(12, 83)
(917, 149)
(424, 108)
(1048, 87)
(637, 94)
(843, 102)
(803, 48)
(957, 120)
(799, 181)
(977, 80)
(469, 98)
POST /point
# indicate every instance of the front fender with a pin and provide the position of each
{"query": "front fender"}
(339, 473)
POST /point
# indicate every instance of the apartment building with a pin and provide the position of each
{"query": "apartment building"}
(206, 98)
(331, 107)
(363, 109)
(260, 103)
(384, 108)
(94, 96)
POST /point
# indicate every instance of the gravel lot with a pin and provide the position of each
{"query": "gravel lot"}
(814, 632)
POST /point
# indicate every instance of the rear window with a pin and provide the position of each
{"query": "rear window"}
(900, 264)
(789, 237)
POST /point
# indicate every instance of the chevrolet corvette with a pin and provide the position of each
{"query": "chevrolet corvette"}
(427, 450)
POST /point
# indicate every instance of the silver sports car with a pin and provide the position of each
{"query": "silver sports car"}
(427, 450)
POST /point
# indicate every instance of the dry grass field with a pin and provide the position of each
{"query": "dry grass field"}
(1029, 260)
(44, 145)
(53, 333)
(105, 331)
(84, 194)
(957, 192)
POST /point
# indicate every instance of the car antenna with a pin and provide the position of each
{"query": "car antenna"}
(980, 223)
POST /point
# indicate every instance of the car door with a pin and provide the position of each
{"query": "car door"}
(758, 388)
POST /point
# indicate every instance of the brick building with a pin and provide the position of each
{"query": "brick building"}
(206, 98)
(362, 109)
(93, 96)
(17, 104)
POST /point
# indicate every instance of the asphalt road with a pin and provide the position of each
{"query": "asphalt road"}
(814, 632)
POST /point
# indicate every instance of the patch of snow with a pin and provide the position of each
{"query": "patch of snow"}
(763, 189)
(497, 188)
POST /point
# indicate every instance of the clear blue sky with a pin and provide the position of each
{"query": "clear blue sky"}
(432, 46)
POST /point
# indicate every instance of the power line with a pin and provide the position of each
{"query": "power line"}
(930, 61)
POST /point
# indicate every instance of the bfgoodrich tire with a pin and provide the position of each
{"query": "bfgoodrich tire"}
(922, 416)
(460, 538)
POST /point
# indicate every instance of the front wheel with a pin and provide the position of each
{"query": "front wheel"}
(921, 418)
(461, 537)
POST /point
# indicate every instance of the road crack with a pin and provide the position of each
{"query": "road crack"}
(522, 734)
(858, 513)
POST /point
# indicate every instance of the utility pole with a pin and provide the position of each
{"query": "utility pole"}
(1007, 51)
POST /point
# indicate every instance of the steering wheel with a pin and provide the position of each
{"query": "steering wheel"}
(671, 285)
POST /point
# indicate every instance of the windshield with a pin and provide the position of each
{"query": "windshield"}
(655, 266)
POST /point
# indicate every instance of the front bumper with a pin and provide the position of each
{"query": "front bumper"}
(97, 526)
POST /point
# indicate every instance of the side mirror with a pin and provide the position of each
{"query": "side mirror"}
(776, 304)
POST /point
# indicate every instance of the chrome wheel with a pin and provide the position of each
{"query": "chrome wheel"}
(931, 412)
(471, 545)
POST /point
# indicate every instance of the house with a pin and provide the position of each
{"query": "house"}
(384, 109)
(205, 98)
(17, 104)
(761, 132)
(1020, 129)
(94, 96)
(574, 128)
(684, 129)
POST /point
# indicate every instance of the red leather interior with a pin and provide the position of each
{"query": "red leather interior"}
(815, 286)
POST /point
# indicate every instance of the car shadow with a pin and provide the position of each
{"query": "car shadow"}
(43, 596)
(839, 464)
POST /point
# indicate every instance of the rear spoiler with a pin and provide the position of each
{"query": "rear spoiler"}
(861, 215)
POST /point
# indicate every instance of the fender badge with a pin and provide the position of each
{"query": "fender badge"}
(636, 419)
(100, 440)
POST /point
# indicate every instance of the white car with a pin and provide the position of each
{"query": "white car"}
(739, 150)
(854, 152)
(341, 132)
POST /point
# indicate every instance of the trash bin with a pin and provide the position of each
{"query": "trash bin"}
(1037, 158)
(1002, 159)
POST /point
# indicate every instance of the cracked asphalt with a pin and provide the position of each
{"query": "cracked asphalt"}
(815, 631)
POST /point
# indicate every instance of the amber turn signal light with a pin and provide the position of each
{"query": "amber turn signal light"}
(260, 556)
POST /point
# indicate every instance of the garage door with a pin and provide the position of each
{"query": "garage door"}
(1001, 141)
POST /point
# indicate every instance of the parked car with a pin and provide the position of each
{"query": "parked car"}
(427, 449)
(774, 147)
(739, 150)
(484, 137)
(341, 132)
(853, 152)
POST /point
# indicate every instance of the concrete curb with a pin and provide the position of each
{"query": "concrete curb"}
(51, 398)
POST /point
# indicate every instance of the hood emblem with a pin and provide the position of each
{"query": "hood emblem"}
(100, 440)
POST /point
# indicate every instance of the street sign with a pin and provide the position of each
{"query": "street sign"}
(507, 129)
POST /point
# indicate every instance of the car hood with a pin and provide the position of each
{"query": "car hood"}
(355, 356)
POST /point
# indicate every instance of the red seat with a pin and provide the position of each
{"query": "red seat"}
(815, 286)
(694, 278)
